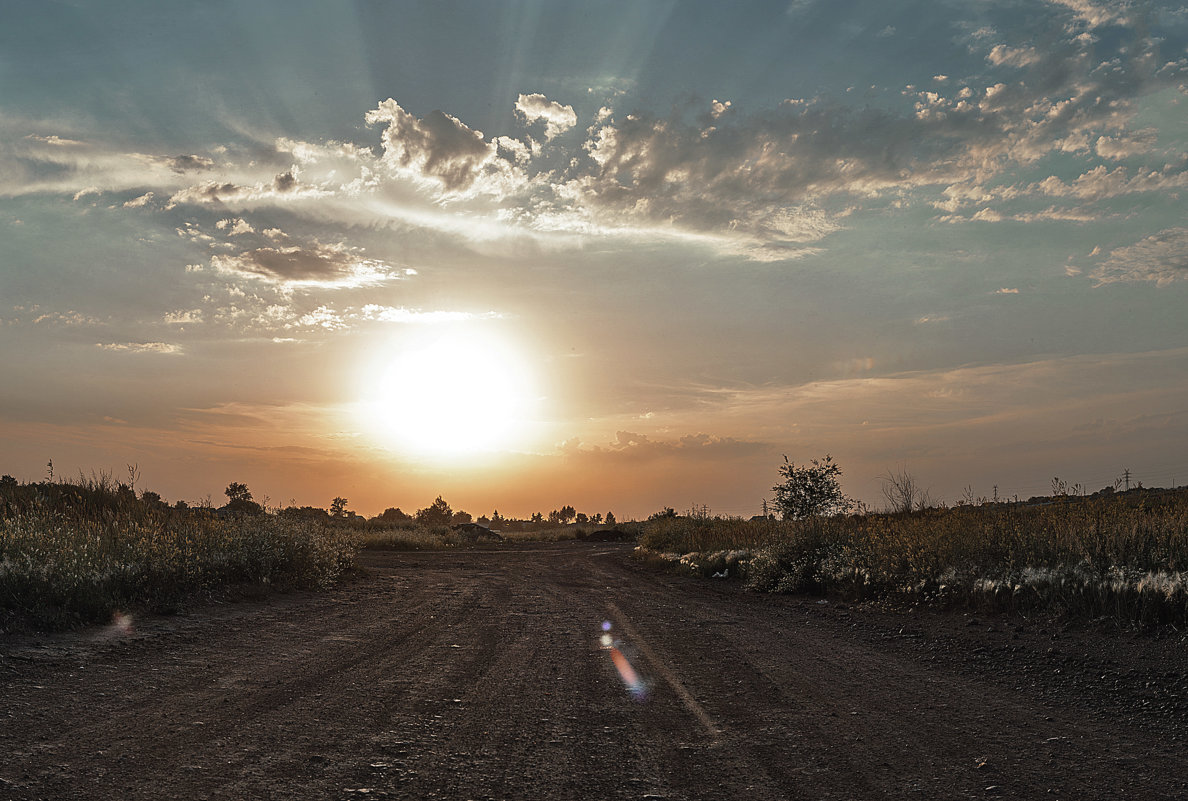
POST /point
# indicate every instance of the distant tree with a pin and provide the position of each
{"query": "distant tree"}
(437, 513)
(460, 518)
(667, 511)
(567, 514)
(811, 490)
(305, 513)
(338, 507)
(150, 498)
(394, 515)
(537, 517)
(496, 518)
(237, 492)
(610, 518)
(483, 520)
(7, 481)
(239, 499)
(597, 519)
(582, 518)
(181, 505)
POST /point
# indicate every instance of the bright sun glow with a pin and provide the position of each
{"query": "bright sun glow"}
(450, 394)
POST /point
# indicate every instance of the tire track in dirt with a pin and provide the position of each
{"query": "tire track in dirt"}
(480, 674)
(882, 725)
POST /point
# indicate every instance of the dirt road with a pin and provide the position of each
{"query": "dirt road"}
(484, 675)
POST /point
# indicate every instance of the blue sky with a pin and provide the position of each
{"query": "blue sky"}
(657, 244)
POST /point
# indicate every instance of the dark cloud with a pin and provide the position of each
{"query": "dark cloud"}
(332, 266)
(294, 263)
(285, 182)
(189, 163)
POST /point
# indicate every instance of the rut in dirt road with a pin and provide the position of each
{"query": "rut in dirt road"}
(499, 674)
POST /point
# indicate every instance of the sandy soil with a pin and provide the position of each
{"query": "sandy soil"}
(483, 675)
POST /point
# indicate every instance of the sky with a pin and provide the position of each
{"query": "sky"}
(616, 255)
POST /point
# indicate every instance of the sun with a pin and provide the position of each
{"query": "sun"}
(450, 394)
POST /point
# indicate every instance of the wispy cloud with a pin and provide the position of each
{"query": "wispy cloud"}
(140, 347)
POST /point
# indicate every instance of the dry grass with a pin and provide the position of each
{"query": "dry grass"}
(1122, 556)
(78, 553)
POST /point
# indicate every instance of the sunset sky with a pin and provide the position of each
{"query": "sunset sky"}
(619, 255)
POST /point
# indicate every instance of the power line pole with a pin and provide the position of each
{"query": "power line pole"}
(1126, 473)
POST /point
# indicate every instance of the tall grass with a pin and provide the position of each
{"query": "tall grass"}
(1124, 556)
(77, 553)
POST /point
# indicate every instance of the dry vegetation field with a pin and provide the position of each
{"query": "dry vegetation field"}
(81, 552)
(1123, 555)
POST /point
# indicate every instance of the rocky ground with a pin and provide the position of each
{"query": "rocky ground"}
(484, 674)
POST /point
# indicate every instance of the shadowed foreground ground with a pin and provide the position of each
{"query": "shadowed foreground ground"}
(481, 675)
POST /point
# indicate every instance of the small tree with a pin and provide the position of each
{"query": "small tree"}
(460, 518)
(338, 507)
(811, 490)
(610, 518)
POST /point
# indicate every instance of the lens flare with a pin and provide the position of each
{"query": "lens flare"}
(121, 622)
(635, 685)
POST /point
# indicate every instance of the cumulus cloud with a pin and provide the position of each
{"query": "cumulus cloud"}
(183, 317)
(285, 182)
(1012, 56)
(557, 118)
(1161, 258)
(439, 146)
(1124, 146)
(235, 226)
(1094, 13)
(138, 202)
(767, 184)
(1101, 183)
